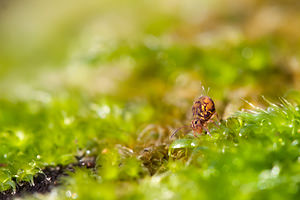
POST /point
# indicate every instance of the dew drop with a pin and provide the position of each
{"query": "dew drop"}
(295, 143)
(68, 193)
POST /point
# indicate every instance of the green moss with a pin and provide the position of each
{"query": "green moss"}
(110, 80)
(253, 155)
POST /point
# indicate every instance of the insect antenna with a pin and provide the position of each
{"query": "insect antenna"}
(179, 129)
(204, 91)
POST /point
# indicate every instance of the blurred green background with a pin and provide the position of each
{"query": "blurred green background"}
(236, 48)
(95, 75)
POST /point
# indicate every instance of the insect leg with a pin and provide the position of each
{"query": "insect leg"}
(216, 123)
(214, 118)
(207, 131)
(194, 133)
(179, 129)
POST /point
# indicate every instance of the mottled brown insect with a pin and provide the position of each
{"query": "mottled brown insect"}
(203, 113)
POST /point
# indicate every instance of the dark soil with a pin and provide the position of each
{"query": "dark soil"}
(153, 159)
(49, 178)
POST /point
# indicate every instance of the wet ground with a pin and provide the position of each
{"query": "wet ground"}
(50, 177)
(153, 159)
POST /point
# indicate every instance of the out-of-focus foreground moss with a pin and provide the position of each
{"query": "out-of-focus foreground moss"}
(111, 79)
